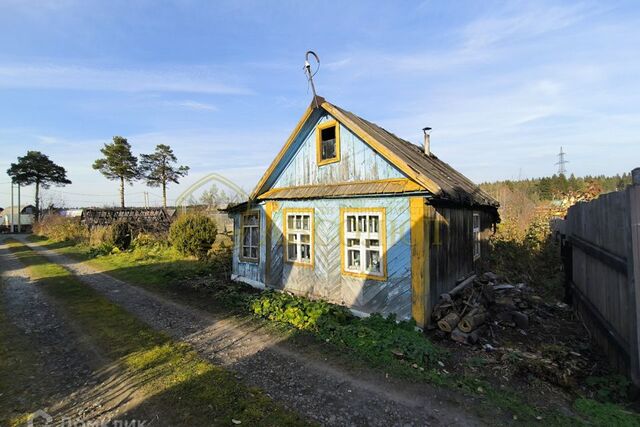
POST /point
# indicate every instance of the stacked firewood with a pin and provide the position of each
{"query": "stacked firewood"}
(468, 311)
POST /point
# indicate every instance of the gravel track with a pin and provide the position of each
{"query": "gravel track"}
(324, 392)
(75, 381)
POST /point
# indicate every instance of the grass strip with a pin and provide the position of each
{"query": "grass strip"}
(186, 389)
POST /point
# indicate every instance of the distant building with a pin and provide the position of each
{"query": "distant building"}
(26, 217)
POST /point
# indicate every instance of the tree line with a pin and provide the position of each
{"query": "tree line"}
(117, 163)
(556, 186)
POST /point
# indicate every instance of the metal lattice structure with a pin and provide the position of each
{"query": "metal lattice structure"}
(141, 219)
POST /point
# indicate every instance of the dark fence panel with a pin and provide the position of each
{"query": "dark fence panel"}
(601, 249)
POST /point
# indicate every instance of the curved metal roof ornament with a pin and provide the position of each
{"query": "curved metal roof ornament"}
(310, 75)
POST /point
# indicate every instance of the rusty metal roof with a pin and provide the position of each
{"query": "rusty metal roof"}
(387, 186)
(454, 186)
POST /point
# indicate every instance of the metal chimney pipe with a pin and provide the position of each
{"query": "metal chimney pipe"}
(427, 140)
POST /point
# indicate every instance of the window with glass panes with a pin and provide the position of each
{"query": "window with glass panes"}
(363, 243)
(328, 142)
(476, 235)
(299, 236)
(250, 236)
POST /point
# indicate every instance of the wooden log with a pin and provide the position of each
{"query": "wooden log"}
(449, 322)
(466, 282)
(472, 320)
(521, 319)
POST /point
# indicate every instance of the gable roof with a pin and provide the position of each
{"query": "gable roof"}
(431, 173)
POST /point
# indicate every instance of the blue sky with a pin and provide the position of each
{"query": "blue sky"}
(503, 84)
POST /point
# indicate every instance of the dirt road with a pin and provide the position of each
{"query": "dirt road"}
(322, 391)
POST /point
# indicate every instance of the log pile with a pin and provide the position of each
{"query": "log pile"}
(467, 312)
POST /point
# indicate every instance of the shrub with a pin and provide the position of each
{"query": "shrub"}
(100, 235)
(221, 255)
(61, 229)
(150, 240)
(121, 235)
(117, 235)
(193, 235)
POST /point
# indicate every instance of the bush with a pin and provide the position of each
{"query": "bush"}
(121, 235)
(193, 235)
(61, 229)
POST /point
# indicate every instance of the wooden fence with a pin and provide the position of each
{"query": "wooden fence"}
(601, 250)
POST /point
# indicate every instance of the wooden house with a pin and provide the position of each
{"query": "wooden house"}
(352, 214)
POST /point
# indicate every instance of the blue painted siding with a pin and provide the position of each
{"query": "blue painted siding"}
(358, 161)
(326, 281)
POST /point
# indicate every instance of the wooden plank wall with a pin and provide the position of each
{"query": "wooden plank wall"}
(451, 253)
(601, 248)
(358, 162)
(325, 279)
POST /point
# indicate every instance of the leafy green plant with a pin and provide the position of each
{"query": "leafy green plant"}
(380, 340)
(193, 235)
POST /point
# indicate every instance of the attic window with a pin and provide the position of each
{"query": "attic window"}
(328, 142)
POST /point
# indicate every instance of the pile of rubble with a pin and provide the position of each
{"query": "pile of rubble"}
(469, 311)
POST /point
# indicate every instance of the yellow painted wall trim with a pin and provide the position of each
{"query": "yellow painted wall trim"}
(319, 129)
(285, 239)
(428, 183)
(383, 243)
(418, 261)
(269, 208)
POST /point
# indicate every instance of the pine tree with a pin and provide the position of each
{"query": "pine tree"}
(118, 163)
(36, 168)
(158, 169)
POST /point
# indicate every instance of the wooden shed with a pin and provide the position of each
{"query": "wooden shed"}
(350, 213)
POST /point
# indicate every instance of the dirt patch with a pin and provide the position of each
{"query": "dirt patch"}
(319, 390)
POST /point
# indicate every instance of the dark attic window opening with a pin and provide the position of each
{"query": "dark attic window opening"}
(328, 144)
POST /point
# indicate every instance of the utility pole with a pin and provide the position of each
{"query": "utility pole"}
(19, 212)
(12, 213)
(562, 170)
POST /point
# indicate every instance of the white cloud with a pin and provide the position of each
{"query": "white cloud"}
(193, 105)
(193, 79)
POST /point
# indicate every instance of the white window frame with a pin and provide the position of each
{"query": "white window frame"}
(246, 228)
(363, 235)
(476, 235)
(298, 233)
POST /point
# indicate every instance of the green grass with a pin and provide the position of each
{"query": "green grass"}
(185, 388)
(366, 341)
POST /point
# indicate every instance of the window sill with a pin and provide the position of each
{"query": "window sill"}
(328, 161)
(300, 264)
(382, 278)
